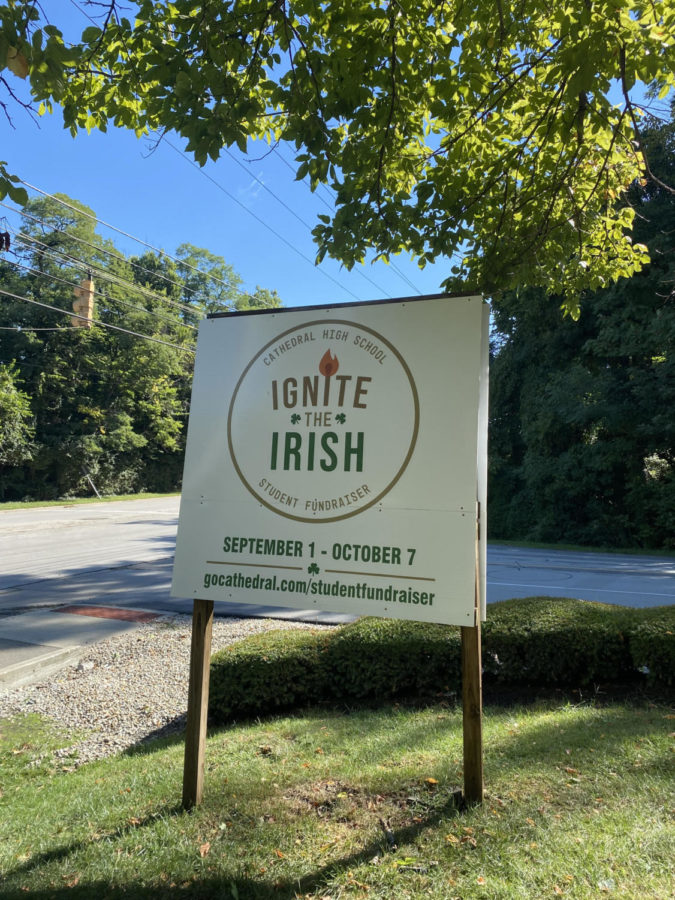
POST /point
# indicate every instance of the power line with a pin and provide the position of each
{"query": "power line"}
(180, 262)
(60, 256)
(405, 278)
(393, 265)
(244, 207)
(101, 273)
(22, 329)
(117, 256)
(107, 297)
(201, 271)
(85, 14)
(126, 234)
(299, 218)
(73, 315)
(261, 221)
(268, 189)
(330, 206)
(307, 225)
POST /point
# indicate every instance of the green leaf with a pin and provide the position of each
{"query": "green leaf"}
(18, 195)
(91, 34)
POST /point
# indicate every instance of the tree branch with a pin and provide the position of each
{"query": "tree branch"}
(27, 106)
(638, 136)
(390, 118)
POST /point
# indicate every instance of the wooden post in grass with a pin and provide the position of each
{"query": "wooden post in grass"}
(472, 715)
(472, 708)
(198, 701)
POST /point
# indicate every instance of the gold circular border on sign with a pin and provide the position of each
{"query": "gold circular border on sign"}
(413, 440)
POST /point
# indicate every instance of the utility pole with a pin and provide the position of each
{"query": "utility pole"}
(83, 304)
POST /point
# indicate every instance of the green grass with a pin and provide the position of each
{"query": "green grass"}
(76, 501)
(27, 752)
(352, 805)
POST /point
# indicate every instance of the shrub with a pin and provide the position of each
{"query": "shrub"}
(385, 659)
(265, 673)
(652, 644)
(553, 641)
(534, 641)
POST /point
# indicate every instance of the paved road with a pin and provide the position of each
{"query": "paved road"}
(121, 553)
(66, 541)
(118, 553)
(606, 577)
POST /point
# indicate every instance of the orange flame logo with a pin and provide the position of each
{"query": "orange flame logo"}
(329, 364)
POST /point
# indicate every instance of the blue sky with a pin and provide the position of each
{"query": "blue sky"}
(158, 195)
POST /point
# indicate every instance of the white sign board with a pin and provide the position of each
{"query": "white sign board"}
(336, 459)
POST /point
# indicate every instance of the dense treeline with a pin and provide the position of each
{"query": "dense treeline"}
(99, 408)
(582, 431)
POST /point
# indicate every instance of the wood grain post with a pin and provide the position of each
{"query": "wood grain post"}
(472, 710)
(198, 701)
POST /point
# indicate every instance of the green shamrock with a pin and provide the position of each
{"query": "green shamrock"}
(313, 569)
(341, 418)
(295, 418)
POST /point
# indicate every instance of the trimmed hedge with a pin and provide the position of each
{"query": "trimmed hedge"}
(368, 661)
(652, 644)
(265, 673)
(383, 659)
(535, 641)
(556, 642)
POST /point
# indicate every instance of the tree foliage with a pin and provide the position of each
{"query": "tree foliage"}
(102, 405)
(481, 129)
(582, 433)
(16, 428)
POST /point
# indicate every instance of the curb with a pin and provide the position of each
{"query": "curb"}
(29, 670)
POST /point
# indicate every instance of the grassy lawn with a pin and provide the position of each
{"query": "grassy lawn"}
(352, 805)
(77, 501)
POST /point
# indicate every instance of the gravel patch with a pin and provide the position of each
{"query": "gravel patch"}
(130, 688)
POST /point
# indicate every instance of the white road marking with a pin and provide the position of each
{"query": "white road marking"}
(557, 587)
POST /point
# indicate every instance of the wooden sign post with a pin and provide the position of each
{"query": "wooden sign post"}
(472, 693)
(198, 701)
(472, 715)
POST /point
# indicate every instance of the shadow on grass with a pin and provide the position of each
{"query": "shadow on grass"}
(496, 698)
(58, 854)
(168, 735)
(226, 887)
(608, 727)
(533, 745)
